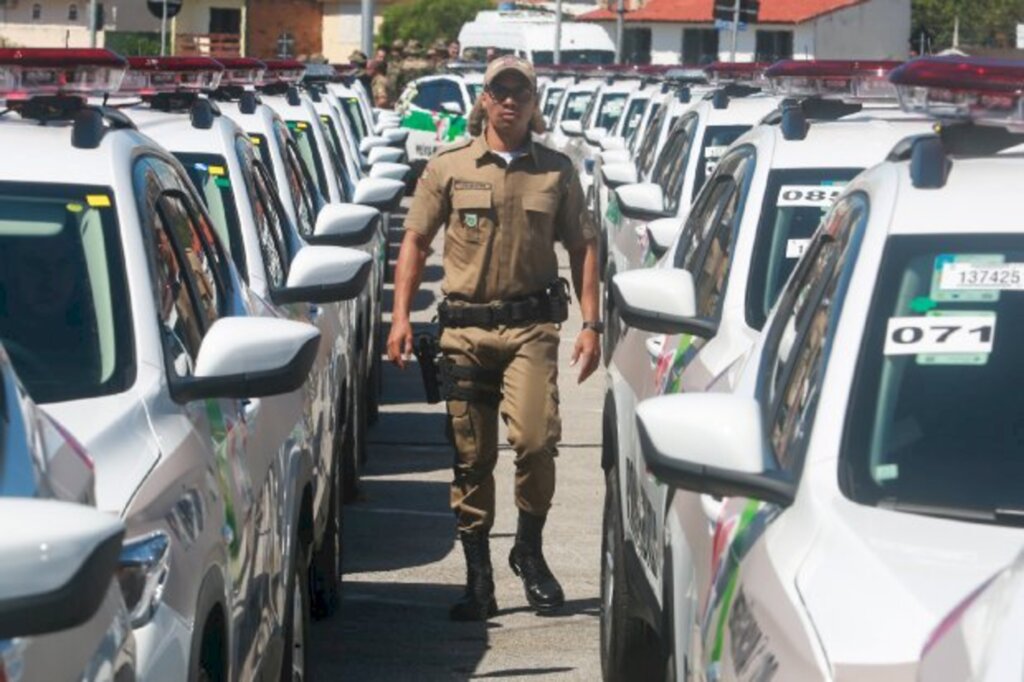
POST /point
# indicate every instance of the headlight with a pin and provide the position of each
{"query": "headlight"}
(142, 573)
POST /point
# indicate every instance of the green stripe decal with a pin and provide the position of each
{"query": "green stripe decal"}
(454, 128)
(749, 512)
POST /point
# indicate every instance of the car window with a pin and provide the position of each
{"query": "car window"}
(267, 215)
(211, 178)
(932, 424)
(64, 305)
(795, 202)
(716, 140)
(260, 142)
(335, 154)
(648, 146)
(576, 104)
(554, 96)
(797, 349)
(638, 133)
(350, 105)
(632, 117)
(670, 170)
(610, 110)
(712, 260)
(433, 94)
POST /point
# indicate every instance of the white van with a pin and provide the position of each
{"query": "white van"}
(534, 40)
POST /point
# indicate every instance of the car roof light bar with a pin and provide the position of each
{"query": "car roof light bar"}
(287, 71)
(32, 72)
(242, 71)
(984, 91)
(155, 75)
(747, 73)
(853, 80)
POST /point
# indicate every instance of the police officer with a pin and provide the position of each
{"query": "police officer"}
(503, 200)
(380, 86)
(358, 60)
(414, 65)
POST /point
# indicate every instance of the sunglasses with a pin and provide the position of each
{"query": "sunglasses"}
(499, 93)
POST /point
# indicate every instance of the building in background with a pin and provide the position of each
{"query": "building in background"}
(64, 23)
(684, 31)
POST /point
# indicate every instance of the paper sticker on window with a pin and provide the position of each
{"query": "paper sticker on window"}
(966, 276)
(216, 170)
(98, 200)
(808, 196)
(942, 334)
(714, 151)
(796, 247)
(941, 292)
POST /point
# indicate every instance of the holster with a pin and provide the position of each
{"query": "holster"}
(428, 353)
(445, 380)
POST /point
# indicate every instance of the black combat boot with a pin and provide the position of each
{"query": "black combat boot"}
(477, 602)
(527, 561)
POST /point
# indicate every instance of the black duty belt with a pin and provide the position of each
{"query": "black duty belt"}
(550, 305)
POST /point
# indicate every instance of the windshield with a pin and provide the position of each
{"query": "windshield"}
(716, 140)
(64, 316)
(547, 57)
(553, 97)
(350, 105)
(209, 175)
(303, 136)
(930, 428)
(576, 105)
(611, 110)
(795, 201)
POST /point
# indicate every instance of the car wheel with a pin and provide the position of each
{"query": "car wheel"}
(296, 621)
(624, 640)
(325, 573)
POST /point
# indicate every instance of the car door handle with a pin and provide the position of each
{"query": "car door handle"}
(712, 507)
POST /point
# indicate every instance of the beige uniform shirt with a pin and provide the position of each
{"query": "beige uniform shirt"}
(502, 221)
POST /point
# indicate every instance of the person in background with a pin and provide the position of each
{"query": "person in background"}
(358, 60)
(380, 86)
(453, 51)
(492, 54)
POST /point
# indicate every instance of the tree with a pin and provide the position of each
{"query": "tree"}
(990, 23)
(428, 20)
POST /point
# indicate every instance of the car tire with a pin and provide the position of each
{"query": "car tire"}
(325, 572)
(295, 662)
(624, 640)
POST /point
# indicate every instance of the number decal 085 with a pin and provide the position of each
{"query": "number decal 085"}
(814, 196)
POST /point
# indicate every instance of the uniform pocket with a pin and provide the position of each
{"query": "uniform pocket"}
(540, 210)
(473, 212)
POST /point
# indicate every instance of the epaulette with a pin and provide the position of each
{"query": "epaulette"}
(551, 150)
(453, 147)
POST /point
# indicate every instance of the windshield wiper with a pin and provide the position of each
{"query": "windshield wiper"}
(1005, 516)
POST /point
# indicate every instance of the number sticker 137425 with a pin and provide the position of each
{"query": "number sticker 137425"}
(940, 335)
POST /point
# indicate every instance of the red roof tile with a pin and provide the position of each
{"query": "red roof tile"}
(699, 11)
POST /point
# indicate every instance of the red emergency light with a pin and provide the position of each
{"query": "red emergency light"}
(287, 71)
(853, 80)
(30, 72)
(242, 71)
(988, 91)
(153, 75)
(721, 73)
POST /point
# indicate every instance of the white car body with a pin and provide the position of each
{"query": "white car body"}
(431, 125)
(620, 144)
(840, 574)
(219, 478)
(599, 121)
(571, 107)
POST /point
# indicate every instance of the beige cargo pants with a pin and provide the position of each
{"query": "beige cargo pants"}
(527, 357)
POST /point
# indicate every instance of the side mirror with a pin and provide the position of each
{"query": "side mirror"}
(595, 135)
(250, 357)
(325, 274)
(371, 141)
(451, 107)
(59, 561)
(572, 128)
(642, 201)
(661, 234)
(393, 171)
(345, 225)
(615, 156)
(613, 144)
(661, 301)
(383, 194)
(710, 443)
(396, 136)
(389, 154)
(618, 174)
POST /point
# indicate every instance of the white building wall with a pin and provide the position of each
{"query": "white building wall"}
(666, 42)
(879, 29)
(342, 30)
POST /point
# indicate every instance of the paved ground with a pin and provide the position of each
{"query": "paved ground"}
(403, 567)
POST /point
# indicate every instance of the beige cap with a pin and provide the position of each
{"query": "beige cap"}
(510, 63)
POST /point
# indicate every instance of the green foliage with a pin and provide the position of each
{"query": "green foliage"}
(990, 23)
(428, 20)
(132, 44)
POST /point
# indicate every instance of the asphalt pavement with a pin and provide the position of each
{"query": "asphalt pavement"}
(403, 566)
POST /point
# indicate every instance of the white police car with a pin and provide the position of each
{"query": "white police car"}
(54, 543)
(124, 315)
(565, 122)
(435, 111)
(247, 214)
(868, 456)
(602, 115)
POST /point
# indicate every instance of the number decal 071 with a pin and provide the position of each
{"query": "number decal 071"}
(940, 335)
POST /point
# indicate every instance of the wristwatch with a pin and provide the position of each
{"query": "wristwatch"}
(595, 325)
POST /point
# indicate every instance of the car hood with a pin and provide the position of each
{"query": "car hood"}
(876, 583)
(116, 432)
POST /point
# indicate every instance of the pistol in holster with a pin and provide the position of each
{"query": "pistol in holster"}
(428, 353)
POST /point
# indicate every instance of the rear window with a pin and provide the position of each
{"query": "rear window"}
(932, 426)
(64, 309)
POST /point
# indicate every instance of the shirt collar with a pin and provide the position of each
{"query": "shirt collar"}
(481, 149)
